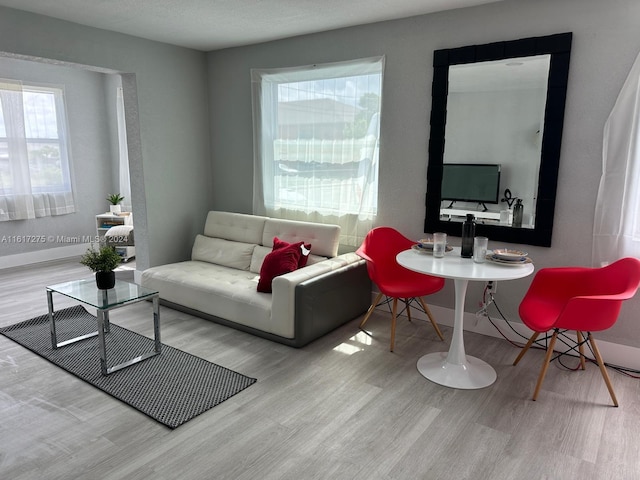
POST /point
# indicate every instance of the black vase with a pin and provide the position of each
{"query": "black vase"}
(105, 280)
(517, 214)
(468, 232)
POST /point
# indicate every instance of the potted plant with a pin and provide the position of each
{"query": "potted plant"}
(103, 261)
(115, 199)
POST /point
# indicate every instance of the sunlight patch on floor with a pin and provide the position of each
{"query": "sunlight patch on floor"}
(355, 344)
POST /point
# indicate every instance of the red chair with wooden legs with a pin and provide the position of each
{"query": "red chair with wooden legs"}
(379, 249)
(581, 299)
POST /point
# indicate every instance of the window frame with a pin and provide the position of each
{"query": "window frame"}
(62, 140)
(265, 90)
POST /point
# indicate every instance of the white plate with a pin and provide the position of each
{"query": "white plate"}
(510, 255)
(509, 263)
(422, 248)
(426, 243)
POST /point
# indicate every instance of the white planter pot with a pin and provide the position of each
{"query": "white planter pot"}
(115, 208)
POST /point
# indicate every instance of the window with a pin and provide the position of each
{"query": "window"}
(35, 180)
(316, 131)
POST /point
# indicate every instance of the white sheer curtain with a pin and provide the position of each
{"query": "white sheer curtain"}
(316, 144)
(617, 216)
(124, 182)
(34, 170)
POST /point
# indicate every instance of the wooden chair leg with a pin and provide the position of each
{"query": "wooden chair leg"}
(407, 302)
(603, 369)
(526, 347)
(581, 349)
(393, 324)
(371, 309)
(433, 321)
(545, 366)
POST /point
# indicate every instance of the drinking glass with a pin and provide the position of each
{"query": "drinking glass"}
(480, 249)
(439, 244)
(506, 217)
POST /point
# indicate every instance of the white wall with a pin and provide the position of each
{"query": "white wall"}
(605, 44)
(171, 169)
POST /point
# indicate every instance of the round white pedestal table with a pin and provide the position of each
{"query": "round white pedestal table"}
(454, 368)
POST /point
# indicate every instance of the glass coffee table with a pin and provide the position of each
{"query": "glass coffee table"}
(124, 293)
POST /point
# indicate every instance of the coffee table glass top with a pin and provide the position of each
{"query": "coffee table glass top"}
(85, 291)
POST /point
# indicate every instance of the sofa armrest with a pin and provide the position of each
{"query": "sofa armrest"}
(283, 286)
(322, 296)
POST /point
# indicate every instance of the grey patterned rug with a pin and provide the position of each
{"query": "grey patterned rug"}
(172, 387)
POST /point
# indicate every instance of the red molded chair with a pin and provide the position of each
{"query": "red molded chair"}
(577, 298)
(379, 249)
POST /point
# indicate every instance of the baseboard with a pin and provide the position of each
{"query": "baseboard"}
(612, 353)
(39, 256)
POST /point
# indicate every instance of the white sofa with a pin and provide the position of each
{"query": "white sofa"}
(220, 281)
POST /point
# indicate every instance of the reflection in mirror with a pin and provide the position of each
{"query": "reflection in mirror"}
(496, 128)
(490, 164)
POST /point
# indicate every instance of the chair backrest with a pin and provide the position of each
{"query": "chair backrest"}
(379, 249)
(622, 277)
(583, 298)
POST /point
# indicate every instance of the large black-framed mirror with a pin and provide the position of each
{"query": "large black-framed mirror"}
(542, 163)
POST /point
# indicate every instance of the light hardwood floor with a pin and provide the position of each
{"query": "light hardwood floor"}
(343, 407)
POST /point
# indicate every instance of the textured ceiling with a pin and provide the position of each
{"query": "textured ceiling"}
(215, 24)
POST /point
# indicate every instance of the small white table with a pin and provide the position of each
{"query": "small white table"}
(454, 368)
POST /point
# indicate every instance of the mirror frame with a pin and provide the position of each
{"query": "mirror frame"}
(559, 47)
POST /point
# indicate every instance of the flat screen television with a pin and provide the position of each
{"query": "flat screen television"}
(470, 182)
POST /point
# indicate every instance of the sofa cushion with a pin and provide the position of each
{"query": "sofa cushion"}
(222, 252)
(235, 226)
(278, 262)
(219, 291)
(305, 249)
(259, 253)
(313, 259)
(324, 238)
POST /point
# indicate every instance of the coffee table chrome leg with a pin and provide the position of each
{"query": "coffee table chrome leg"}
(156, 323)
(52, 322)
(103, 321)
(52, 325)
(102, 341)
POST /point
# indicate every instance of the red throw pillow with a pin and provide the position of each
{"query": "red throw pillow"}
(278, 262)
(304, 254)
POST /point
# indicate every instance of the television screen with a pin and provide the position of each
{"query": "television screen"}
(468, 182)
